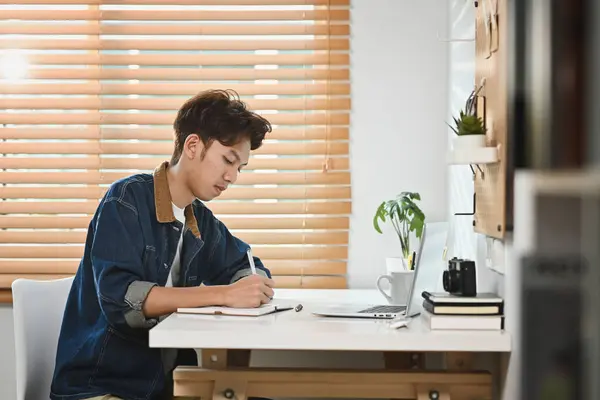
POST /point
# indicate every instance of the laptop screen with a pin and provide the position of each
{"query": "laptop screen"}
(429, 265)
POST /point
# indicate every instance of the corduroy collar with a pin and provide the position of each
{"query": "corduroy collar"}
(163, 201)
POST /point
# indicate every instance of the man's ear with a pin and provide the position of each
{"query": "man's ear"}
(193, 146)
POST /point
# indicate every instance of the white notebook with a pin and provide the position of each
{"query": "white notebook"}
(463, 322)
(243, 312)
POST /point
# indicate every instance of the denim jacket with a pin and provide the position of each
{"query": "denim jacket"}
(131, 243)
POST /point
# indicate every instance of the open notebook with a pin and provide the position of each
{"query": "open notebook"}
(244, 312)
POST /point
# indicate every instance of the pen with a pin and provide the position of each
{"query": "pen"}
(251, 261)
(412, 262)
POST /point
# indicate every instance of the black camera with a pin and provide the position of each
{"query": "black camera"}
(460, 278)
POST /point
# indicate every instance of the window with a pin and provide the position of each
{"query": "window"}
(88, 93)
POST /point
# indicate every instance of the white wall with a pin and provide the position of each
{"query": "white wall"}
(398, 138)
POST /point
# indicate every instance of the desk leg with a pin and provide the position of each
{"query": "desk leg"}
(238, 358)
(395, 360)
(459, 361)
(503, 360)
(222, 359)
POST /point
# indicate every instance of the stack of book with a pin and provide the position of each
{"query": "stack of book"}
(443, 311)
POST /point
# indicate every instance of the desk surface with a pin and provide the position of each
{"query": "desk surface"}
(290, 330)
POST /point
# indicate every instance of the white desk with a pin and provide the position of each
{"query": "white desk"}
(290, 330)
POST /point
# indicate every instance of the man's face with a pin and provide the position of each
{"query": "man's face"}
(209, 174)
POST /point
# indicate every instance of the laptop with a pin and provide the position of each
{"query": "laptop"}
(383, 311)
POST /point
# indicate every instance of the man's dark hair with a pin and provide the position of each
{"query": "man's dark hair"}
(218, 115)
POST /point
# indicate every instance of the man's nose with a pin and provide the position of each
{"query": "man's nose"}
(231, 176)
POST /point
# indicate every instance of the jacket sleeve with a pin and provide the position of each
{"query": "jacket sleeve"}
(228, 261)
(117, 261)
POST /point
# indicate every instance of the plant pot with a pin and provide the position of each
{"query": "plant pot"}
(396, 264)
(469, 142)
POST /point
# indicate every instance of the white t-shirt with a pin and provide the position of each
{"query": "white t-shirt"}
(176, 266)
(170, 355)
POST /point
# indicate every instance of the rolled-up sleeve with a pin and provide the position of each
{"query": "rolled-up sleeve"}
(117, 263)
(135, 297)
(247, 271)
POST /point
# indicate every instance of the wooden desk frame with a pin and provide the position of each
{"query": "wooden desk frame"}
(226, 375)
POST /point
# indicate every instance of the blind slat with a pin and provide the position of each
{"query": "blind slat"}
(94, 192)
(27, 192)
(186, 2)
(317, 28)
(148, 163)
(163, 148)
(271, 252)
(98, 118)
(303, 133)
(78, 222)
(281, 281)
(311, 282)
(5, 296)
(232, 2)
(277, 267)
(219, 74)
(140, 44)
(89, 207)
(175, 88)
(256, 238)
(315, 59)
(170, 15)
(250, 178)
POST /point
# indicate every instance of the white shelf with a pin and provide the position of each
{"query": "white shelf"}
(482, 155)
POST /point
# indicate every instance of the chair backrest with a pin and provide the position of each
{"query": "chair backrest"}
(38, 308)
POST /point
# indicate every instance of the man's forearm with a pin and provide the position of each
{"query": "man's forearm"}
(166, 300)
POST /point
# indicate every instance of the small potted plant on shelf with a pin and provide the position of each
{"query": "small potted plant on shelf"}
(469, 130)
(406, 217)
(469, 127)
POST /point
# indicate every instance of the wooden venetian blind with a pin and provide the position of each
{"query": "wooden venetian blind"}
(89, 92)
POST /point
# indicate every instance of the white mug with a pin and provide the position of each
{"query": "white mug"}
(400, 283)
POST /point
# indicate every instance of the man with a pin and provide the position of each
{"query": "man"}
(152, 247)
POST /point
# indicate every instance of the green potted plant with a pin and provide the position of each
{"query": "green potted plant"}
(469, 130)
(406, 217)
(469, 127)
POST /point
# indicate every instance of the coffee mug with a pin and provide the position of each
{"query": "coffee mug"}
(400, 283)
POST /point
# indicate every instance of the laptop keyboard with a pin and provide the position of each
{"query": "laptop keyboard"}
(384, 309)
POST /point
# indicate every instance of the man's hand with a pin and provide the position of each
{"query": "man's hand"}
(250, 291)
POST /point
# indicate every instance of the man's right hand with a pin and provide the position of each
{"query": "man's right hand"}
(250, 291)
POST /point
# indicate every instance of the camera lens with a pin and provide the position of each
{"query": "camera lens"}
(446, 281)
(450, 281)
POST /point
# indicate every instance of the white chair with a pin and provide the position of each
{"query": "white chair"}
(38, 308)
